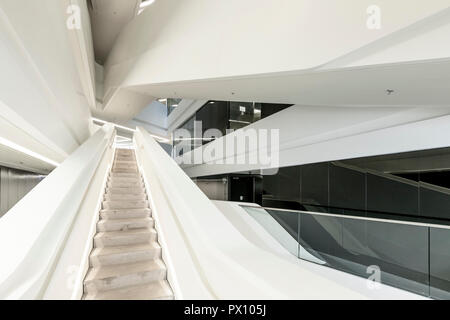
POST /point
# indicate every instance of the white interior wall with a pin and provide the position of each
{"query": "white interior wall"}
(41, 95)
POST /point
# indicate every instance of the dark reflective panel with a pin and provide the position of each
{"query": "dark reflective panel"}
(434, 202)
(281, 225)
(242, 114)
(407, 256)
(285, 185)
(268, 109)
(288, 220)
(392, 195)
(184, 138)
(398, 251)
(314, 184)
(440, 263)
(320, 239)
(242, 188)
(213, 115)
(401, 252)
(347, 188)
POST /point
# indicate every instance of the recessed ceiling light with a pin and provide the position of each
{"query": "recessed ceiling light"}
(26, 151)
(146, 3)
(162, 100)
(174, 105)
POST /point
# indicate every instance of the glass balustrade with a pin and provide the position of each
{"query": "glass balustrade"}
(406, 255)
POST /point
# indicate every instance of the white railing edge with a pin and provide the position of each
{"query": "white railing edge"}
(182, 274)
(36, 228)
(73, 263)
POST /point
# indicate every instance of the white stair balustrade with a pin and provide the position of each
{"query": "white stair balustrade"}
(34, 232)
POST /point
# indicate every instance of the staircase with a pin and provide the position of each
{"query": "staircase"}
(125, 263)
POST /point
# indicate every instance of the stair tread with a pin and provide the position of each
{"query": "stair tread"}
(111, 271)
(121, 175)
(133, 190)
(112, 214)
(104, 251)
(125, 204)
(124, 233)
(126, 220)
(127, 210)
(150, 291)
(130, 196)
(124, 223)
(125, 184)
(125, 179)
(122, 201)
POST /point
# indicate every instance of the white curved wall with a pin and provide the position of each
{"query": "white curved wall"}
(41, 95)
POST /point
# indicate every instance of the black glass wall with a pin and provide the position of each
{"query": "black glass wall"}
(336, 187)
(242, 114)
(184, 138)
(216, 117)
(240, 187)
(212, 116)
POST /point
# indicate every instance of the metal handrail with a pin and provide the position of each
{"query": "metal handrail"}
(441, 226)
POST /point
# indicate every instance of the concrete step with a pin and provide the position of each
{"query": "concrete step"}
(125, 190)
(129, 161)
(119, 184)
(124, 175)
(119, 197)
(124, 170)
(125, 159)
(152, 291)
(123, 238)
(124, 162)
(124, 151)
(125, 254)
(124, 224)
(118, 164)
(125, 179)
(124, 275)
(125, 213)
(125, 154)
(128, 204)
(121, 167)
(118, 155)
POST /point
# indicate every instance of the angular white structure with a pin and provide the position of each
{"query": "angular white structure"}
(124, 108)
